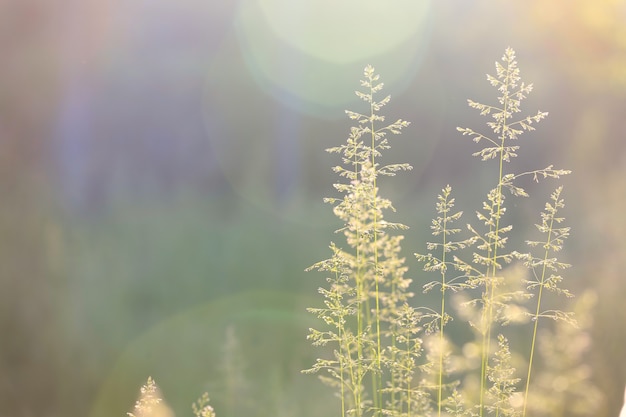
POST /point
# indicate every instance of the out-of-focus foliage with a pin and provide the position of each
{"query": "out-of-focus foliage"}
(562, 387)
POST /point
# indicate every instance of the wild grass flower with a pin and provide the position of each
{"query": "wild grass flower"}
(201, 407)
(491, 238)
(442, 226)
(366, 282)
(150, 403)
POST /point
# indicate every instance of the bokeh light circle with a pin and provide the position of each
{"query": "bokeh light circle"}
(304, 53)
(344, 31)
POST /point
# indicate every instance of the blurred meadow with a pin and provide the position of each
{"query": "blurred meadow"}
(162, 170)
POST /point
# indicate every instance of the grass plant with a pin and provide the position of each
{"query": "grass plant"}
(366, 283)
(384, 356)
(406, 351)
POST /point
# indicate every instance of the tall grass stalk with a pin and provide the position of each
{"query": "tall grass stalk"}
(506, 80)
(507, 128)
(546, 278)
(371, 262)
(442, 226)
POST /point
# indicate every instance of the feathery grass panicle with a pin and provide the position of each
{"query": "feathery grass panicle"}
(544, 269)
(442, 226)
(491, 238)
(201, 407)
(148, 399)
(150, 403)
(502, 376)
(366, 282)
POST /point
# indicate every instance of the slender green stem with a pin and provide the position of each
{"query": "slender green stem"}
(443, 313)
(342, 337)
(378, 387)
(408, 385)
(394, 335)
(536, 317)
(493, 246)
(359, 294)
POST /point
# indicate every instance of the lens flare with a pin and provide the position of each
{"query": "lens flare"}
(301, 52)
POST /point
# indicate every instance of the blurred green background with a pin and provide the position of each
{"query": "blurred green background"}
(162, 169)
